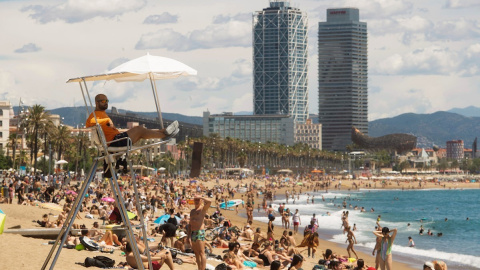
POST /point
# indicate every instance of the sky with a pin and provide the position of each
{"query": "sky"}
(424, 56)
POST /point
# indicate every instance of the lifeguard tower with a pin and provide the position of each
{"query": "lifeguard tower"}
(146, 67)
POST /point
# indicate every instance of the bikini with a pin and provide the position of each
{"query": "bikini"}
(264, 258)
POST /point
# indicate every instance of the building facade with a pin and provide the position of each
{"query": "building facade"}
(253, 128)
(280, 65)
(309, 133)
(342, 77)
(455, 149)
(6, 112)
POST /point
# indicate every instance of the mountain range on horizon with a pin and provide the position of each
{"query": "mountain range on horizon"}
(431, 129)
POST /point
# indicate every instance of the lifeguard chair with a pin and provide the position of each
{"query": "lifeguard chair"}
(146, 67)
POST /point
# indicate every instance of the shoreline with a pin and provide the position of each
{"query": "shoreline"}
(23, 215)
(323, 243)
(401, 260)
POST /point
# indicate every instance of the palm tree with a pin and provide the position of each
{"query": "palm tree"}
(168, 160)
(62, 138)
(37, 118)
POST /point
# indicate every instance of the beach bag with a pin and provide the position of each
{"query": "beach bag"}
(99, 261)
(93, 262)
(105, 260)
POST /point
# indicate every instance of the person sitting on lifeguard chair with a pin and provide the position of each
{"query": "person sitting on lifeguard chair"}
(135, 133)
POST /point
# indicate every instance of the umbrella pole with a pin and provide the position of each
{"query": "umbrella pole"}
(157, 101)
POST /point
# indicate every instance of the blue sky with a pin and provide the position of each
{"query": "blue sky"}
(423, 55)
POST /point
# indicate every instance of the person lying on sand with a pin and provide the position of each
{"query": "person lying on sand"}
(157, 261)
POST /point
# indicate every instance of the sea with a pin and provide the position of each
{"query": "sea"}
(454, 213)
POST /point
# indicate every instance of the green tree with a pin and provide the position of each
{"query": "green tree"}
(36, 120)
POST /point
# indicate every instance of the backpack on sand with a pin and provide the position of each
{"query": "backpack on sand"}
(99, 261)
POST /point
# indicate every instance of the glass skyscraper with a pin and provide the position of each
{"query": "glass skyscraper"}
(280, 61)
(342, 77)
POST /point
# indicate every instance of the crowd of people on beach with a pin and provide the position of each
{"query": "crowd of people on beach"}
(247, 246)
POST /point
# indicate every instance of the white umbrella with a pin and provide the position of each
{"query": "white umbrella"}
(61, 162)
(145, 67)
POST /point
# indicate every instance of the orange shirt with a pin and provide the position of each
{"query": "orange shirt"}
(108, 129)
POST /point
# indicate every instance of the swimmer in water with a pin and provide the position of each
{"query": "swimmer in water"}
(410, 242)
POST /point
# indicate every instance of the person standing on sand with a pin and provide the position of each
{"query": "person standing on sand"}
(249, 211)
(378, 242)
(386, 247)
(351, 240)
(196, 232)
(296, 221)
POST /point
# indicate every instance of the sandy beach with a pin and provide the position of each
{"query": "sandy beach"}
(18, 252)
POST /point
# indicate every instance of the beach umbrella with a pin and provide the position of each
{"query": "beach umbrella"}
(51, 206)
(71, 192)
(146, 67)
(163, 219)
(108, 199)
(316, 171)
(2, 220)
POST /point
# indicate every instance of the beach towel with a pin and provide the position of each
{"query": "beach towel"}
(250, 264)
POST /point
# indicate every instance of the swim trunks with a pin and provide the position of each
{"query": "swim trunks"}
(198, 235)
(120, 143)
(296, 223)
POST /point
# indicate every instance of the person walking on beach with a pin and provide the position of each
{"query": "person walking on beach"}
(310, 240)
(296, 221)
(386, 247)
(196, 232)
(351, 240)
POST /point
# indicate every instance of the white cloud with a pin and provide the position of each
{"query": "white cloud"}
(432, 60)
(7, 81)
(243, 103)
(241, 74)
(74, 11)
(241, 17)
(164, 39)
(462, 3)
(27, 48)
(230, 34)
(408, 27)
(163, 18)
(380, 8)
(458, 29)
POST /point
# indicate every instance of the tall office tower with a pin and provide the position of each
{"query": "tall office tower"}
(342, 77)
(280, 61)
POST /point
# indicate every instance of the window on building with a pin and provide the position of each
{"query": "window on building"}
(1, 112)
(1, 134)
